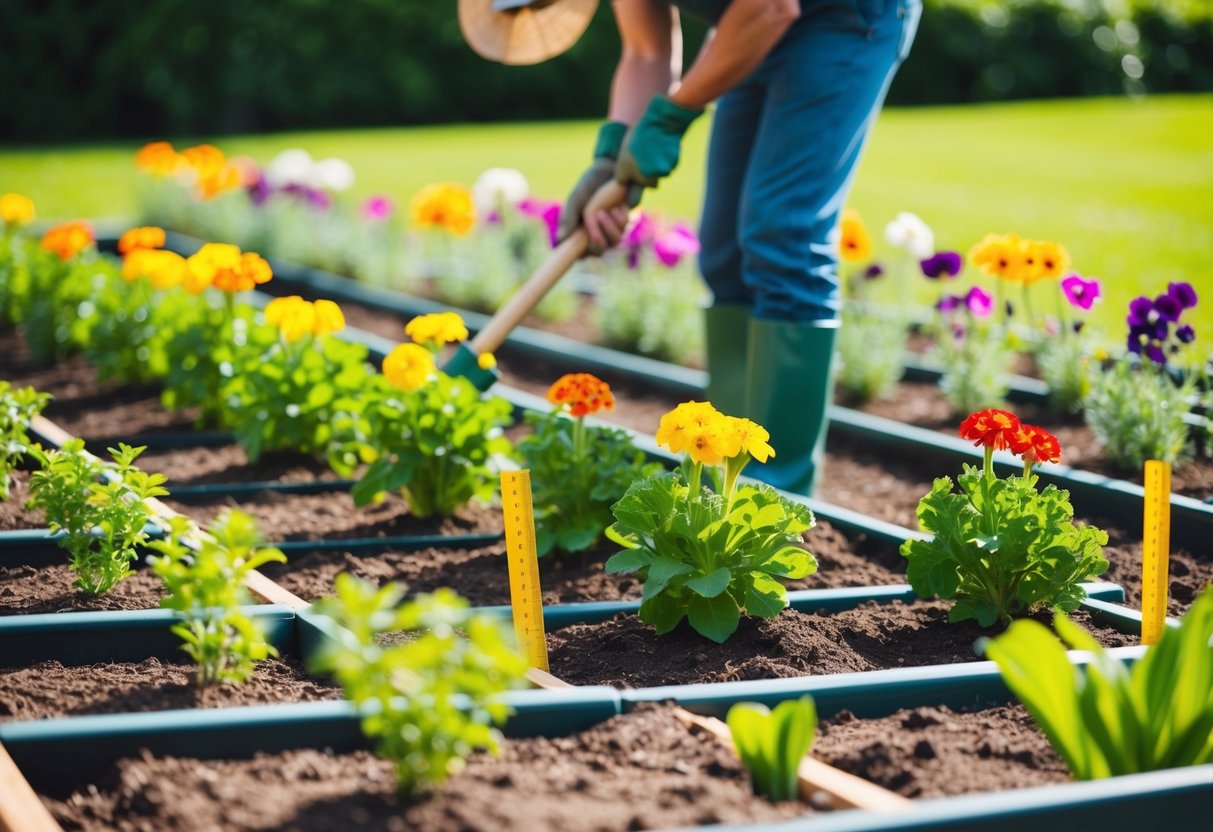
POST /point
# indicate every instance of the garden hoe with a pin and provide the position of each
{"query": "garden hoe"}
(466, 360)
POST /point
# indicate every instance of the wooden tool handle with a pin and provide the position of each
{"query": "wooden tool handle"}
(546, 276)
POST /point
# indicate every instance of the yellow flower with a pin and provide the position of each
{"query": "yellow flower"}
(294, 316)
(164, 269)
(208, 263)
(486, 361)
(205, 159)
(159, 159)
(436, 329)
(854, 243)
(68, 239)
(444, 205)
(678, 428)
(408, 366)
(148, 236)
(754, 439)
(328, 318)
(16, 209)
(1051, 260)
(1004, 257)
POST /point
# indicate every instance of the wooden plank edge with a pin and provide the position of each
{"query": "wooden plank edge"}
(543, 679)
(21, 810)
(841, 789)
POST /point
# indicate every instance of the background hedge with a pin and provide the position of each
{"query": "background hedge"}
(88, 69)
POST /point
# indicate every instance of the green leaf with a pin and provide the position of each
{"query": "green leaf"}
(663, 612)
(629, 560)
(661, 571)
(716, 618)
(711, 584)
(765, 597)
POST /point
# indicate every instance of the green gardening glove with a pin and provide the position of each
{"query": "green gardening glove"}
(606, 151)
(650, 150)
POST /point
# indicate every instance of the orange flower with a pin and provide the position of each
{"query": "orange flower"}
(145, 237)
(159, 159)
(164, 269)
(990, 428)
(1035, 444)
(252, 271)
(581, 393)
(223, 266)
(68, 239)
(445, 205)
(1051, 260)
(854, 244)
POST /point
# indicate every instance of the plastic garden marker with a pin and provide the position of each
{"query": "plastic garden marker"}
(1155, 550)
(525, 597)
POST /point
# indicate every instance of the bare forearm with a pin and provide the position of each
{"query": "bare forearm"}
(745, 34)
(651, 57)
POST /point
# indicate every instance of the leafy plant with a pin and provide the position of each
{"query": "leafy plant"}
(871, 349)
(18, 407)
(100, 508)
(204, 576)
(707, 555)
(431, 698)
(973, 354)
(1000, 547)
(1135, 408)
(432, 437)
(577, 471)
(292, 378)
(46, 284)
(771, 743)
(1112, 720)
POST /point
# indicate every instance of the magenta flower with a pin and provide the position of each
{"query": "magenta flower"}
(640, 233)
(542, 209)
(377, 208)
(942, 264)
(949, 303)
(1081, 293)
(979, 303)
(675, 244)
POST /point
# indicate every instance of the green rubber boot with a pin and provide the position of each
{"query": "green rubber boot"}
(791, 384)
(727, 342)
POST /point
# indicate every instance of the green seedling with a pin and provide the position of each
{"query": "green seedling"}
(18, 407)
(205, 577)
(771, 743)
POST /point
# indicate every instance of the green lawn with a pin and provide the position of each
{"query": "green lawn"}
(1126, 185)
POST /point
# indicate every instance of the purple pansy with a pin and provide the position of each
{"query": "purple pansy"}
(259, 190)
(1141, 312)
(1186, 334)
(942, 264)
(1168, 308)
(377, 208)
(873, 271)
(675, 244)
(949, 303)
(1155, 353)
(1081, 293)
(979, 303)
(1183, 294)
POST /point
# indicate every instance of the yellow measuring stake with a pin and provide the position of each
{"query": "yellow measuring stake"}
(525, 596)
(1155, 550)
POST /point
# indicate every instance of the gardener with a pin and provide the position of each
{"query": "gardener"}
(798, 84)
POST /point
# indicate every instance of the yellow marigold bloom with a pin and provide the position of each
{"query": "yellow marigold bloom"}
(444, 205)
(208, 262)
(1001, 256)
(678, 428)
(329, 318)
(159, 159)
(206, 159)
(68, 239)
(294, 316)
(486, 361)
(754, 439)
(252, 270)
(1051, 260)
(16, 209)
(164, 269)
(854, 243)
(408, 366)
(436, 329)
(148, 236)
(213, 183)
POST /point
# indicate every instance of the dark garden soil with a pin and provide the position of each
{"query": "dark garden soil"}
(482, 575)
(937, 752)
(209, 465)
(50, 689)
(332, 515)
(639, 771)
(13, 513)
(1191, 572)
(626, 652)
(26, 589)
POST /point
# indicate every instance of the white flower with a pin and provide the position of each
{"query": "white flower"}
(332, 175)
(497, 187)
(912, 234)
(290, 167)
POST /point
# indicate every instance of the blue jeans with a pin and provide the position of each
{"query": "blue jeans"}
(784, 148)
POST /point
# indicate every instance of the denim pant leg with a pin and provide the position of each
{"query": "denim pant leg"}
(784, 149)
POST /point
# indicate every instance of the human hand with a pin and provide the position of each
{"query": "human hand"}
(606, 150)
(651, 149)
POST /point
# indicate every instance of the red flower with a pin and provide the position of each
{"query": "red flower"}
(581, 393)
(990, 428)
(1035, 444)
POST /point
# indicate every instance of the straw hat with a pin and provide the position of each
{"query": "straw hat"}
(523, 31)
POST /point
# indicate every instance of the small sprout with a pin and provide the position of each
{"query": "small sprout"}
(205, 576)
(18, 407)
(771, 743)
